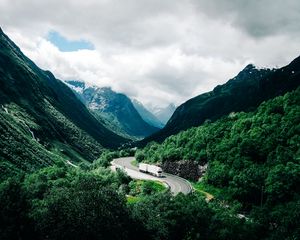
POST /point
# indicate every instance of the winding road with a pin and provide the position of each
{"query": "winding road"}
(175, 183)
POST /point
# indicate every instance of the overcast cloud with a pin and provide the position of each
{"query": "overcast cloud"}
(158, 51)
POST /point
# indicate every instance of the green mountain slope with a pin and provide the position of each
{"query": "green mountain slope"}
(268, 135)
(244, 92)
(39, 114)
(253, 161)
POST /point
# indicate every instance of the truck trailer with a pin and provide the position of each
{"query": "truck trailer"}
(151, 169)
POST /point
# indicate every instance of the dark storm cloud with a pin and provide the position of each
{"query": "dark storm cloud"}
(258, 18)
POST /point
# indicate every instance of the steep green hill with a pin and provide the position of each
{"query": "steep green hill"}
(244, 92)
(244, 151)
(253, 161)
(41, 119)
(270, 134)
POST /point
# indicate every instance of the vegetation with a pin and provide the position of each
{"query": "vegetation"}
(90, 201)
(253, 166)
(41, 119)
(145, 188)
(62, 202)
(209, 191)
(245, 92)
(108, 155)
(135, 163)
(253, 158)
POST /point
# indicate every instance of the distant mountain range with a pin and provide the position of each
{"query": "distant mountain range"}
(164, 113)
(115, 110)
(244, 92)
(148, 116)
(41, 119)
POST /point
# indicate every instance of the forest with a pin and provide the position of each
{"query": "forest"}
(253, 160)
(61, 202)
(253, 173)
(149, 120)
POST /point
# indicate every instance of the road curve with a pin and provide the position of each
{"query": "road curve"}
(175, 183)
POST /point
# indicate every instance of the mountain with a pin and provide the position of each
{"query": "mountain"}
(115, 110)
(41, 119)
(147, 115)
(164, 114)
(244, 92)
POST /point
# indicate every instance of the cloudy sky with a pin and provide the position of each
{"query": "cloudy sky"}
(158, 51)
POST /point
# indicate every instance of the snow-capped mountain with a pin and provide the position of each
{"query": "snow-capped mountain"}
(165, 113)
(115, 109)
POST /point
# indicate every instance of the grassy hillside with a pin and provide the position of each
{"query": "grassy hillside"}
(40, 114)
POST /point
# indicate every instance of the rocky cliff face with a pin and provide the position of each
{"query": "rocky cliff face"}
(116, 109)
(186, 169)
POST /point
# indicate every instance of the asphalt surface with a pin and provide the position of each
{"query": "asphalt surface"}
(175, 183)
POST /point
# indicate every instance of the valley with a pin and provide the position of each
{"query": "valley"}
(133, 142)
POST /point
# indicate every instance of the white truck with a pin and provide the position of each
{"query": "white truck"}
(151, 169)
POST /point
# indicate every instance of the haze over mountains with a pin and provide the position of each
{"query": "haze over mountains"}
(164, 113)
(148, 116)
(244, 92)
